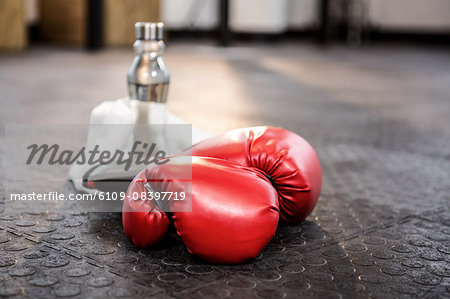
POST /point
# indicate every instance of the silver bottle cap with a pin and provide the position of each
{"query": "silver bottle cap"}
(149, 30)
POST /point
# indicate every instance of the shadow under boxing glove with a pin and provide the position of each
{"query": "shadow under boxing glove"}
(285, 158)
(228, 216)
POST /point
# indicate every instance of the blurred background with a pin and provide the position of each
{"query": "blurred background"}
(232, 63)
(95, 24)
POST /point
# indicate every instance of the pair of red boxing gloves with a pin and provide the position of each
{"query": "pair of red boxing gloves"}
(242, 182)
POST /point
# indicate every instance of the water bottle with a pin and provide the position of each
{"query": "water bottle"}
(148, 77)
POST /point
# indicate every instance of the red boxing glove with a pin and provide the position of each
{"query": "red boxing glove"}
(143, 221)
(286, 158)
(234, 209)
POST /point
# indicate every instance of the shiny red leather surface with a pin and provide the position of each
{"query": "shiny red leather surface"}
(241, 182)
(234, 209)
(143, 228)
(287, 158)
